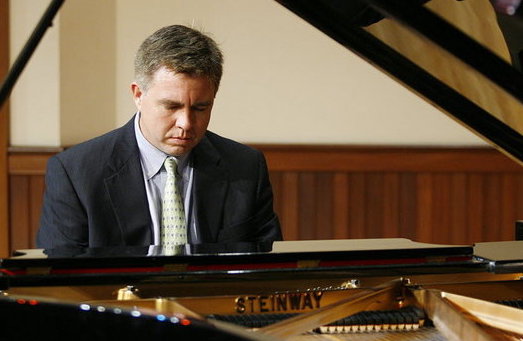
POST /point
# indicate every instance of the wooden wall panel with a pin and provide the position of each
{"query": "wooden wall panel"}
(435, 195)
(470, 195)
(19, 212)
(430, 207)
(26, 201)
(340, 202)
(26, 188)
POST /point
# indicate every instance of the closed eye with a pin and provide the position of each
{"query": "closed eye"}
(170, 105)
(200, 107)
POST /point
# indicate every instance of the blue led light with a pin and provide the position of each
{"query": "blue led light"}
(161, 317)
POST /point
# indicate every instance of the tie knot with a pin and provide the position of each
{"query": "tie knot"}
(170, 165)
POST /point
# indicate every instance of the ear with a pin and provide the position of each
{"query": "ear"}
(137, 95)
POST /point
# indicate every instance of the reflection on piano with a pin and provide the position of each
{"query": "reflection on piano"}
(298, 290)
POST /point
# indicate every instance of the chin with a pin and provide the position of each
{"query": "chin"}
(177, 151)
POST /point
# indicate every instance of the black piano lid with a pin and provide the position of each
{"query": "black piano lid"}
(354, 251)
(396, 256)
(356, 25)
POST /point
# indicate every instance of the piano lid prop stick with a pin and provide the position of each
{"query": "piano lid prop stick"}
(30, 46)
(385, 296)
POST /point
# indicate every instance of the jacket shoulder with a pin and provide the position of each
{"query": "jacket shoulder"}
(230, 147)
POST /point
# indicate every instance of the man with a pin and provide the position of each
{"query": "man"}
(108, 191)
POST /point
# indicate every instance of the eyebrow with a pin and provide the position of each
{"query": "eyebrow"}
(168, 102)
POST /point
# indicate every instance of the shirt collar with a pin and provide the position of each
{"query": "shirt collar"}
(151, 157)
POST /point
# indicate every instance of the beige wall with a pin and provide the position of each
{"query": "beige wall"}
(284, 81)
(87, 69)
(66, 92)
(35, 100)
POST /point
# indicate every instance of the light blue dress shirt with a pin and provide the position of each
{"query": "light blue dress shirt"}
(155, 176)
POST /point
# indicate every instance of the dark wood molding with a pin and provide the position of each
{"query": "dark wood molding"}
(333, 158)
(30, 160)
(316, 158)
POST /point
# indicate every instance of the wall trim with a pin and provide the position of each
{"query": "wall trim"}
(385, 158)
(31, 160)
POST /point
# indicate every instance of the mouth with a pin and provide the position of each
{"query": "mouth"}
(179, 139)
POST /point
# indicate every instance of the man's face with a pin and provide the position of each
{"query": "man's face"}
(175, 110)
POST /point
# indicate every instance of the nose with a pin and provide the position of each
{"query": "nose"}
(184, 119)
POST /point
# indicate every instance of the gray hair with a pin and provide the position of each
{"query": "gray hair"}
(181, 50)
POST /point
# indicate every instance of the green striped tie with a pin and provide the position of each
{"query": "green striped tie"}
(173, 230)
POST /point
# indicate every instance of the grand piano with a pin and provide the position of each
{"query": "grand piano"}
(370, 289)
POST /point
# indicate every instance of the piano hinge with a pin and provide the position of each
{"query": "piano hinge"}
(350, 284)
(130, 292)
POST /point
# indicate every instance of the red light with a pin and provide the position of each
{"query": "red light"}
(20, 301)
(33, 302)
(185, 322)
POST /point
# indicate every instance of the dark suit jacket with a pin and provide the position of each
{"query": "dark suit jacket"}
(95, 194)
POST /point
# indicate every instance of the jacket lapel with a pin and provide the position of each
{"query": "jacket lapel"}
(126, 189)
(210, 187)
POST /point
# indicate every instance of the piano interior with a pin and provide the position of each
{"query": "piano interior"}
(372, 289)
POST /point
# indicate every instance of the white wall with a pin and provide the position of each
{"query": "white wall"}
(284, 81)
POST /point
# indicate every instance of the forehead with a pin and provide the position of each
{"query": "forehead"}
(165, 80)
